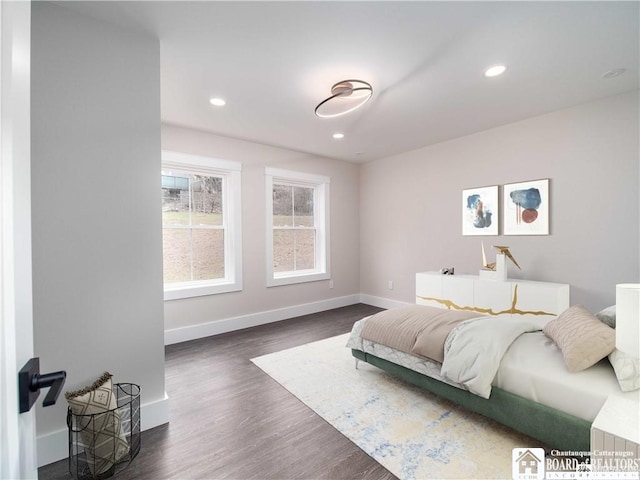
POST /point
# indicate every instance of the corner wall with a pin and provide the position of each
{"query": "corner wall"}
(97, 246)
(256, 304)
(410, 211)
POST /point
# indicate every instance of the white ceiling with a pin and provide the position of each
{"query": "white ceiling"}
(274, 62)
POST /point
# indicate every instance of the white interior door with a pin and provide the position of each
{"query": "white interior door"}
(17, 431)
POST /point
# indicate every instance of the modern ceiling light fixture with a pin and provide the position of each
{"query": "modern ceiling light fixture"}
(495, 71)
(338, 136)
(346, 96)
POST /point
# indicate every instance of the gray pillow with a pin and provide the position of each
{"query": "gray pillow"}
(608, 316)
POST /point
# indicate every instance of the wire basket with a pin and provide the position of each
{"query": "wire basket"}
(103, 444)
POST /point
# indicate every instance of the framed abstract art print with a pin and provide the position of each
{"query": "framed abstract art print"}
(480, 211)
(525, 208)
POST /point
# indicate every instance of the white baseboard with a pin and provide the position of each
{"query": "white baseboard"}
(381, 301)
(192, 332)
(54, 446)
(154, 414)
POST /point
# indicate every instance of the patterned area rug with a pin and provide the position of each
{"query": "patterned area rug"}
(412, 433)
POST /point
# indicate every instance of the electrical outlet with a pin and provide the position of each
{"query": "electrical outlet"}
(390, 285)
(330, 283)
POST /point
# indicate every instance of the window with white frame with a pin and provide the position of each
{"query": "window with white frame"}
(201, 236)
(297, 227)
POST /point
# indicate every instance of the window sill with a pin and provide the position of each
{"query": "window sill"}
(189, 291)
(291, 279)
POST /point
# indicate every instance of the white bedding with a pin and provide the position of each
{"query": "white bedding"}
(474, 349)
(532, 367)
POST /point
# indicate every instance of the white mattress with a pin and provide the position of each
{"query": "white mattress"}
(532, 368)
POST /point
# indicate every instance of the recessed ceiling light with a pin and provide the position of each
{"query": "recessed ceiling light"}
(495, 71)
(338, 136)
(614, 73)
(218, 102)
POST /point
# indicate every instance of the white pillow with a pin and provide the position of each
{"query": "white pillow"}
(627, 370)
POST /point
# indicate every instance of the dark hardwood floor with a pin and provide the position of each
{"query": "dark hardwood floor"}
(229, 420)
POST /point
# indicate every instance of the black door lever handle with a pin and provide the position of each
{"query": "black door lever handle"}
(30, 381)
(54, 381)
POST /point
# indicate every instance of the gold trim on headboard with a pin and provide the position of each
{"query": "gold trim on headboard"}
(513, 310)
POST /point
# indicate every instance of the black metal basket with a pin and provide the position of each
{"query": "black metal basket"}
(103, 444)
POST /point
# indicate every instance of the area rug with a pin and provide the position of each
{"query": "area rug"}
(412, 433)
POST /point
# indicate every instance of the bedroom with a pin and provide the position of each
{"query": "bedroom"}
(92, 297)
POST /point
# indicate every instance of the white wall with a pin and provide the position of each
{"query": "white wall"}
(410, 212)
(97, 246)
(238, 308)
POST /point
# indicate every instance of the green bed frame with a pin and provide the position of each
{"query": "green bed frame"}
(552, 427)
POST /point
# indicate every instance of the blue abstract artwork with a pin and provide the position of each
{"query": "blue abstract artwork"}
(479, 211)
(480, 215)
(527, 202)
(526, 208)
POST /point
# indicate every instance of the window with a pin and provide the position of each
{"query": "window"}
(297, 227)
(201, 237)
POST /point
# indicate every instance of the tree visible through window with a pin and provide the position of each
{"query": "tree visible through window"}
(193, 227)
(201, 225)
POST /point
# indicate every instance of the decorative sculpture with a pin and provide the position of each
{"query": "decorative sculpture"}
(498, 269)
(505, 251)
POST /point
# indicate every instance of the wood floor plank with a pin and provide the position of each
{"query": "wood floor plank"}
(229, 420)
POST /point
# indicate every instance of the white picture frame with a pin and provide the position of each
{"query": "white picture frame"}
(480, 211)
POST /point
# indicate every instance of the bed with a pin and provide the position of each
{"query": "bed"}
(528, 384)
